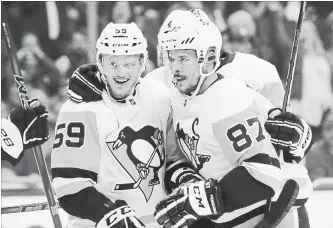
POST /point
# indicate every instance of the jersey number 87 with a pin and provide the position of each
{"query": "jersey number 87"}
(238, 134)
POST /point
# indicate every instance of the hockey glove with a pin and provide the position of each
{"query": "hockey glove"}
(84, 85)
(289, 133)
(32, 123)
(190, 203)
(121, 217)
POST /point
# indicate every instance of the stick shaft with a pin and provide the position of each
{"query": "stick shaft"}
(43, 171)
(26, 208)
(147, 219)
(292, 62)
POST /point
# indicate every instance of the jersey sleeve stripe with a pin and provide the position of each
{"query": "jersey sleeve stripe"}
(72, 188)
(243, 214)
(246, 217)
(60, 182)
(177, 164)
(264, 159)
(73, 173)
(266, 174)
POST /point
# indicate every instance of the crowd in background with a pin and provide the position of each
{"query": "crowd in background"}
(51, 39)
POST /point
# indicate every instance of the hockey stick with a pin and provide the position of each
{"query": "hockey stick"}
(24, 98)
(290, 190)
(281, 207)
(294, 50)
(146, 219)
(134, 185)
(26, 208)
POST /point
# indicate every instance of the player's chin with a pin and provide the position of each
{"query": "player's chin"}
(185, 89)
(182, 87)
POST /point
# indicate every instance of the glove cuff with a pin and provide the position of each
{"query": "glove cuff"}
(115, 216)
(205, 198)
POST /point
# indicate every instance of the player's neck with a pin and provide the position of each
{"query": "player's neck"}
(208, 81)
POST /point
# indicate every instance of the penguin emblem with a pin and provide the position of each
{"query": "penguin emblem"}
(141, 154)
(188, 141)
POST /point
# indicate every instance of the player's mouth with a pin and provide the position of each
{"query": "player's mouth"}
(121, 80)
(179, 78)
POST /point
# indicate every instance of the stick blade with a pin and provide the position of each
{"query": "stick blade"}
(124, 186)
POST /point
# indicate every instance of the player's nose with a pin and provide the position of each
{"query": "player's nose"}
(176, 67)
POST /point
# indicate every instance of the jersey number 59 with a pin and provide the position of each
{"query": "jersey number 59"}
(75, 134)
(238, 134)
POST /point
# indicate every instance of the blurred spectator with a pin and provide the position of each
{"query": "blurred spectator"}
(329, 43)
(122, 12)
(312, 91)
(240, 33)
(48, 20)
(75, 56)
(37, 68)
(116, 12)
(319, 161)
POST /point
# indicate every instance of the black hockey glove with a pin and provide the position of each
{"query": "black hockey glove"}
(32, 123)
(289, 133)
(121, 217)
(84, 85)
(189, 203)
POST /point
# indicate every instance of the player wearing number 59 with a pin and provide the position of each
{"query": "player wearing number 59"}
(110, 157)
(23, 129)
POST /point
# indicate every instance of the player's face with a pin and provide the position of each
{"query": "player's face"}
(121, 73)
(185, 69)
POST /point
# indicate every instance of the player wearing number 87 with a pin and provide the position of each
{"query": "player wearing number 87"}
(109, 157)
(219, 123)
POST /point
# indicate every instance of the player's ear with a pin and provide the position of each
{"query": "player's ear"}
(142, 59)
(210, 60)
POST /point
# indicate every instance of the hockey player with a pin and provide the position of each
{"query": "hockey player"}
(109, 160)
(279, 124)
(225, 131)
(22, 130)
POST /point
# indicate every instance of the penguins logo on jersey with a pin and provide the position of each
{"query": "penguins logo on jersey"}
(141, 154)
(188, 139)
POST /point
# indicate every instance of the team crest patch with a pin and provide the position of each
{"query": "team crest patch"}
(188, 138)
(141, 154)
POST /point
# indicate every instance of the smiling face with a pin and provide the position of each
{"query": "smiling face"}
(121, 73)
(185, 69)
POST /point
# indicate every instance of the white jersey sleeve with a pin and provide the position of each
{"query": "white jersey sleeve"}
(161, 74)
(242, 137)
(76, 150)
(257, 73)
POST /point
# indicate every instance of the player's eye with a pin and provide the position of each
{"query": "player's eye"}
(113, 64)
(129, 65)
(171, 59)
(183, 59)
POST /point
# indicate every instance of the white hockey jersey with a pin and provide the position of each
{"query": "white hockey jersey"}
(262, 77)
(257, 73)
(224, 128)
(103, 144)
